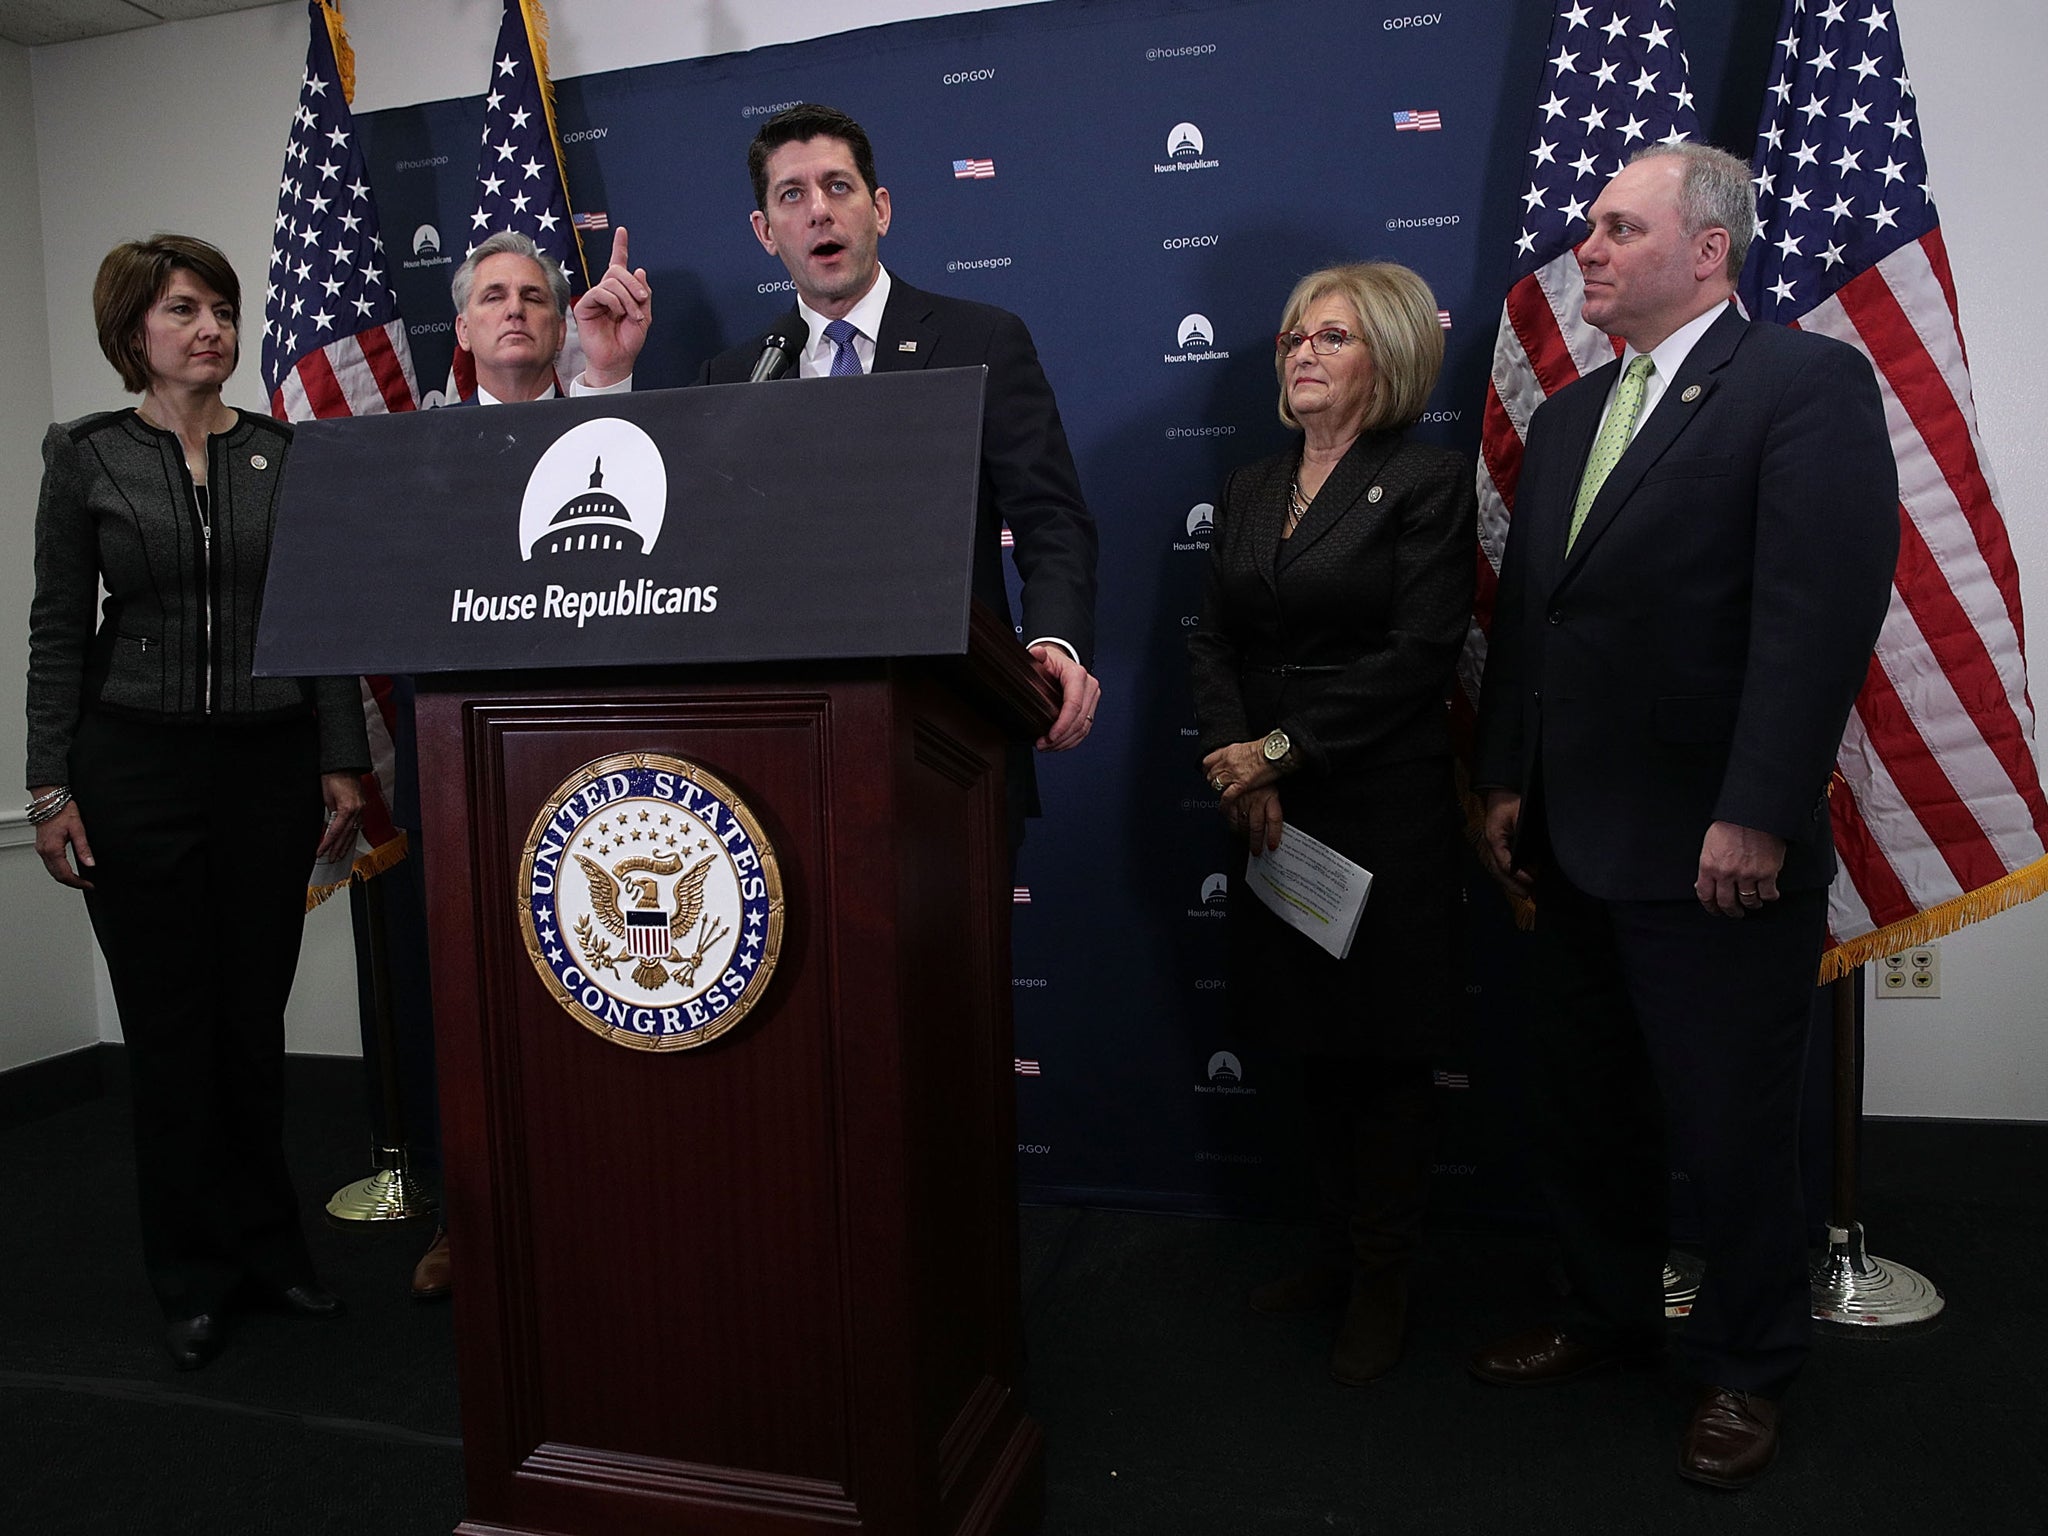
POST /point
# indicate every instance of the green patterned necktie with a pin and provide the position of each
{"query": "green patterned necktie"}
(1613, 440)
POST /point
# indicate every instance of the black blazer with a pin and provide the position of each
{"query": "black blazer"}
(1695, 657)
(1027, 470)
(1373, 594)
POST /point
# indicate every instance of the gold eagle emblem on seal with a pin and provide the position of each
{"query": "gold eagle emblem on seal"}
(650, 901)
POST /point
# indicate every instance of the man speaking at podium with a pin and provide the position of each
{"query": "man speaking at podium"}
(818, 209)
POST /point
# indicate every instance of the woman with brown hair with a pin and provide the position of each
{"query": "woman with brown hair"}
(180, 792)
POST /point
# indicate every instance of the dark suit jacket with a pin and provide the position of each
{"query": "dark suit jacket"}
(1369, 603)
(1027, 470)
(1695, 657)
(1373, 593)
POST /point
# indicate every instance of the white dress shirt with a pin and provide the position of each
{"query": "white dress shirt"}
(578, 388)
(866, 320)
(1666, 358)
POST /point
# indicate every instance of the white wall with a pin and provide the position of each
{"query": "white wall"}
(181, 126)
(45, 975)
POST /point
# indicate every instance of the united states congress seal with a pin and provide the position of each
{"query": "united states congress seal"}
(650, 902)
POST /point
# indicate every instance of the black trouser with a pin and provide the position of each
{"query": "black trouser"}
(203, 837)
(1666, 1036)
(1369, 1125)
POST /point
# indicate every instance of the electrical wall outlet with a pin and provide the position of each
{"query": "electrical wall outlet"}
(1914, 972)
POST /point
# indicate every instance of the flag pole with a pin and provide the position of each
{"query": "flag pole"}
(391, 1193)
(1853, 1290)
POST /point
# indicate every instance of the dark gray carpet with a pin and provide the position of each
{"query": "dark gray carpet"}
(1169, 1408)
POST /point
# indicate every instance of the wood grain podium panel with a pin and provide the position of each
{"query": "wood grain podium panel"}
(766, 1284)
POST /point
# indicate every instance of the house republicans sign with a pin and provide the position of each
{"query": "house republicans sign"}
(650, 902)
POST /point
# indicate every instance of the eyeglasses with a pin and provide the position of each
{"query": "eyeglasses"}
(1323, 343)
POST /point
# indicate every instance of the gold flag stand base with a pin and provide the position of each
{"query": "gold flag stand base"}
(389, 1194)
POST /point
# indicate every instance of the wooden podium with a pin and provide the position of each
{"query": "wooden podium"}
(766, 1285)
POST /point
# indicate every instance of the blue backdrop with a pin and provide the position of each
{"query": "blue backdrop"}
(1161, 168)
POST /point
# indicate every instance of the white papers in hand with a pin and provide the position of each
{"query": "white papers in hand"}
(1311, 887)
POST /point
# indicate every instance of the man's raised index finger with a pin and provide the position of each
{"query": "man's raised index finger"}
(619, 247)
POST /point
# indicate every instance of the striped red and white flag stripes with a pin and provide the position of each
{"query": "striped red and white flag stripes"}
(1944, 815)
(366, 374)
(334, 342)
(1939, 813)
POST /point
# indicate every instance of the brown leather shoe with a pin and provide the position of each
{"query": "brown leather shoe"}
(1732, 1440)
(434, 1276)
(1544, 1356)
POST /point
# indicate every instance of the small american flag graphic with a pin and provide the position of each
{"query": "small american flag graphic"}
(1443, 318)
(591, 220)
(1430, 121)
(1009, 538)
(974, 170)
(1026, 1068)
(1451, 1079)
(1021, 895)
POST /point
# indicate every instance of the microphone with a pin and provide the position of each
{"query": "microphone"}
(780, 348)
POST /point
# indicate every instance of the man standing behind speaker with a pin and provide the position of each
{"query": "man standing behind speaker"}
(1702, 552)
(512, 312)
(818, 209)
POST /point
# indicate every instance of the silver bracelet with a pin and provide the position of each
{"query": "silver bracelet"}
(47, 807)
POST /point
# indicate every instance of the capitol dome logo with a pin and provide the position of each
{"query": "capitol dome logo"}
(426, 241)
(1215, 890)
(1184, 142)
(1201, 521)
(1195, 333)
(1225, 1068)
(600, 490)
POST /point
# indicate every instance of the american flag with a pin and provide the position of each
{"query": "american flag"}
(1443, 318)
(1418, 122)
(1021, 895)
(1939, 813)
(1609, 87)
(334, 343)
(1026, 1067)
(591, 220)
(973, 170)
(519, 182)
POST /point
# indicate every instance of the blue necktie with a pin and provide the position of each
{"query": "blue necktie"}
(845, 361)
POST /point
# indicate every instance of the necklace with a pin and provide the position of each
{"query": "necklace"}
(1297, 506)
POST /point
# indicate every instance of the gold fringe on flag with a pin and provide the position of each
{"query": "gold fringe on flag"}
(367, 867)
(536, 18)
(1936, 922)
(344, 56)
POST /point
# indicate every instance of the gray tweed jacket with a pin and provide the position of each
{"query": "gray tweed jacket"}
(177, 636)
